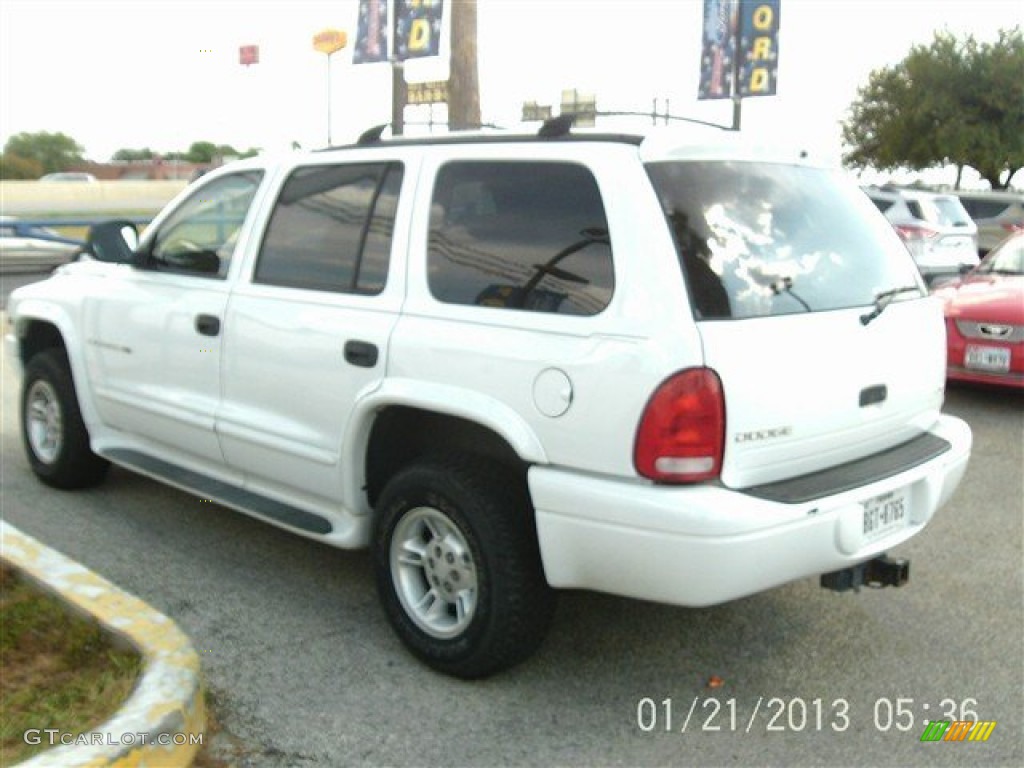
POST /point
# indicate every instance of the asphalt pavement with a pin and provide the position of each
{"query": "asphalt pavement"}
(306, 671)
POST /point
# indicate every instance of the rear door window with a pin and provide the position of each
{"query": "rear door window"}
(331, 229)
(762, 239)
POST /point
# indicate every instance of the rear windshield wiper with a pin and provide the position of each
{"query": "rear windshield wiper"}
(884, 299)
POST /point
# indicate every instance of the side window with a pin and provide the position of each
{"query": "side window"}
(520, 235)
(331, 229)
(199, 237)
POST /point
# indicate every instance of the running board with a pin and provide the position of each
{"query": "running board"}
(221, 492)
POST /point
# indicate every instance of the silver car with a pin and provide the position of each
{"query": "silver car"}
(936, 229)
(30, 247)
(997, 214)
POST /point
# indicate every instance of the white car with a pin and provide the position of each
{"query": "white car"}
(675, 368)
(936, 229)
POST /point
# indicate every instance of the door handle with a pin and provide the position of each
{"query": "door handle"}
(208, 325)
(361, 353)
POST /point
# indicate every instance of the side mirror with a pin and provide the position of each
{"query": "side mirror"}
(113, 241)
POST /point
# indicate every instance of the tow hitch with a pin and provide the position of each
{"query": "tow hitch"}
(883, 571)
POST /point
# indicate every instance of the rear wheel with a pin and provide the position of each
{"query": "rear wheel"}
(55, 437)
(458, 568)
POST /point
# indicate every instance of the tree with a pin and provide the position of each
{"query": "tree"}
(133, 155)
(53, 151)
(208, 152)
(14, 166)
(951, 102)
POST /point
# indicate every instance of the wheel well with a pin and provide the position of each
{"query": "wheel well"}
(39, 336)
(401, 435)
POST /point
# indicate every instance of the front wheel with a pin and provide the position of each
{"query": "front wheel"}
(458, 568)
(55, 436)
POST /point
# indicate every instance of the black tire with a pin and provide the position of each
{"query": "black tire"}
(474, 519)
(56, 440)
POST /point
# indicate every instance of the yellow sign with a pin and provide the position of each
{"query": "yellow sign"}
(330, 41)
(433, 92)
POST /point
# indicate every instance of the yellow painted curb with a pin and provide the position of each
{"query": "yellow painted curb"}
(163, 720)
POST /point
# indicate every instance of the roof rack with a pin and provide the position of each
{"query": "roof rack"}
(555, 128)
(372, 135)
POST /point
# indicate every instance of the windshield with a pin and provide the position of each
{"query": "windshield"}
(763, 239)
(1008, 259)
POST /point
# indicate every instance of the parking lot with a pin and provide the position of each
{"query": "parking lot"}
(305, 671)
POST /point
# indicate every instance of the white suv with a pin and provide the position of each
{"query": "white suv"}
(997, 215)
(937, 230)
(676, 368)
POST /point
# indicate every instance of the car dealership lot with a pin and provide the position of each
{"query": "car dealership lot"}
(307, 671)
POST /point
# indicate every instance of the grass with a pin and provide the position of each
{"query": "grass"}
(56, 670)
(61, 671)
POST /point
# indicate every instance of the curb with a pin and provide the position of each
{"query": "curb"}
(165, 708)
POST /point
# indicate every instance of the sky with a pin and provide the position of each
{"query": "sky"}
(151, 73)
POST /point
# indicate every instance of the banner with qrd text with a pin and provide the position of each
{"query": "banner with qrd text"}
(759, 46)
(418, 28)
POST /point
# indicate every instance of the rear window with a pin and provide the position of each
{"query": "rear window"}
(951, 213)
(984, 209)
(763, 239)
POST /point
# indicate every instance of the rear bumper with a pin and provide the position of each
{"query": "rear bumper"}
(702, 545)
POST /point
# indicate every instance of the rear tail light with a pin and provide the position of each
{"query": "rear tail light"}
(1013, 226)
(914, 232)
(681, 436)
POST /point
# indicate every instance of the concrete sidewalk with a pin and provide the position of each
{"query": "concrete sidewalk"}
(163, 720)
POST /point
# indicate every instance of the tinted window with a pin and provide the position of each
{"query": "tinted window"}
(520, 235)
(199, 237)
(331, 229)
(984, 209)
(919, 211)
(758, 239)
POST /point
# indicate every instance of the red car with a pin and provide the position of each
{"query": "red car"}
(985, 319)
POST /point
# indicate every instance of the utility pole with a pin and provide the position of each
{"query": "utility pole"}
(399, 95)
(464, 79)
(737, 100)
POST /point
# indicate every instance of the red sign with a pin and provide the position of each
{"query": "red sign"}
(248, 54)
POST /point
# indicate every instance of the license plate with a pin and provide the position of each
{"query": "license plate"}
(884, 514)
(995, 359)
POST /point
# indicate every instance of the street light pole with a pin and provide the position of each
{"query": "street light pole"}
(328, 99)
(329, 41)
